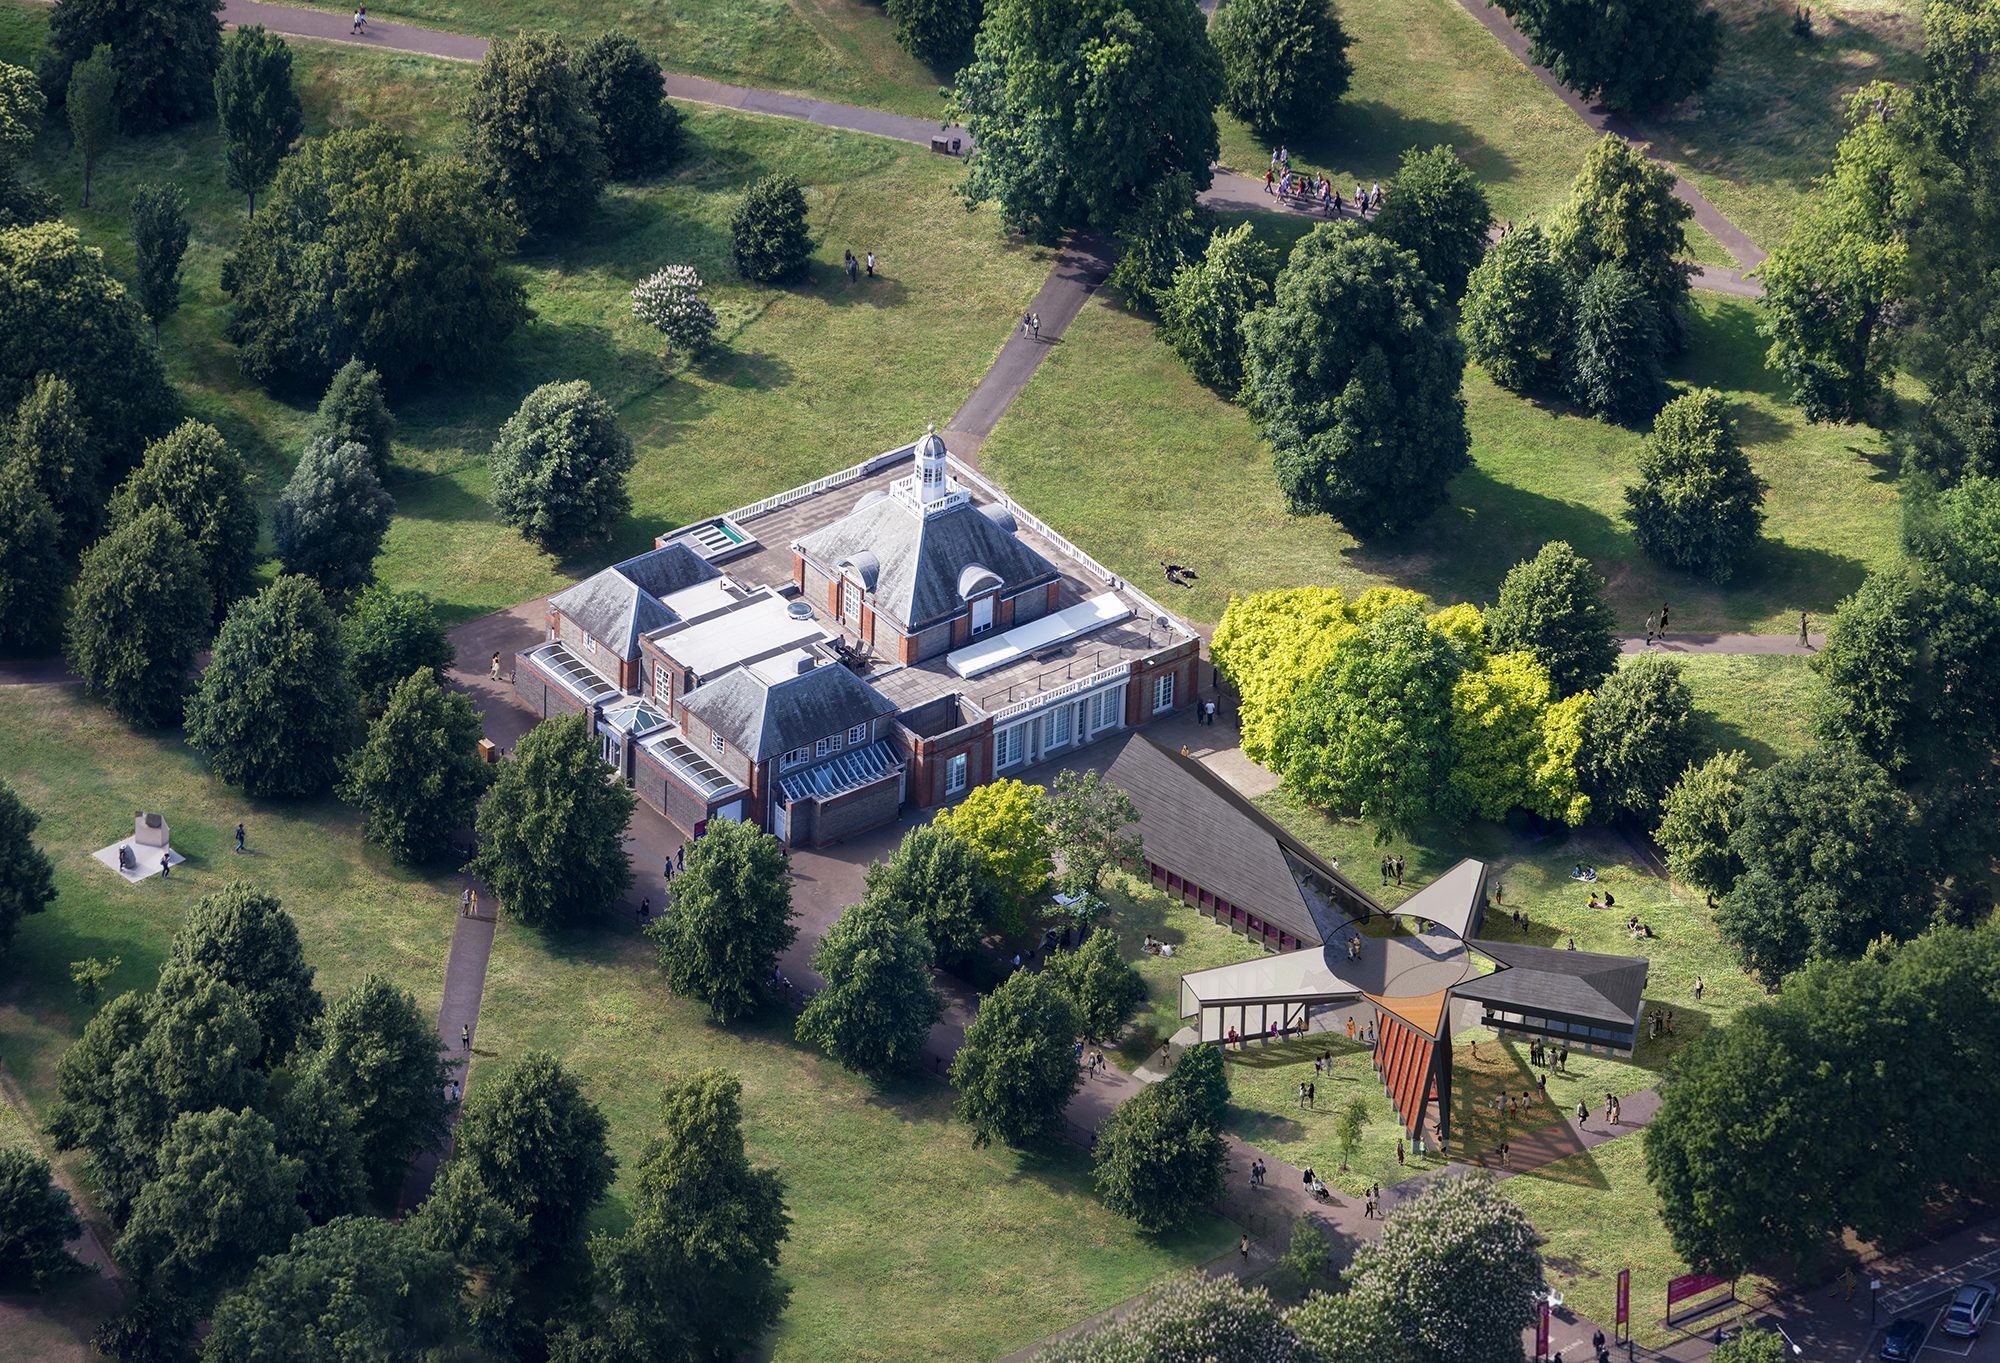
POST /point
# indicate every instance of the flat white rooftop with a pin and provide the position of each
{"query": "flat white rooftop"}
(756, 629)
(703, 598)
(986, 655)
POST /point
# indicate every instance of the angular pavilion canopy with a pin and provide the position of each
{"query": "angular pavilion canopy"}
(1453, 901)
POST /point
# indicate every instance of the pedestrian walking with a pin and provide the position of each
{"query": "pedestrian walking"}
(1399, 1152)
(851, 265)
(1035, 325)
(1312, 1095)
(465, 1035)
(1399, 871)
(871, 264)
(472, 910)
(645, 907)
(1805, 639)
(680, 859)
(1208, 710)
(1302, 1093)
(1582, 1112)
(493, 668)
(457, 1090)
(1243, 1247)
(239, 837)
(166, 866)
(1699, 985)
(1385, 870)
(1663, 622)
(360, 19)
(465, 903)
(1649, 631)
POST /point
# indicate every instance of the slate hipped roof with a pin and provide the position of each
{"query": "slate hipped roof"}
(766, 718)
(918, 560)
(1571, 984)
(622, 602)
(1192, 822)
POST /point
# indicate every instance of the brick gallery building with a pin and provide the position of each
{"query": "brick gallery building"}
(887, 637)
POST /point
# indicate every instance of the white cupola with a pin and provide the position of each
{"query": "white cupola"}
(930, 489)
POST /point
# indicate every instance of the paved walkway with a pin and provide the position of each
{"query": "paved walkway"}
(464, 986)
(1753, 645)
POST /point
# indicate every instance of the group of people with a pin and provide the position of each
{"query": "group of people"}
(1659, 1021)
(1308, 1093)
(1284, 183)
(1373, 1210)
(1540, 1053)
(1392, 869)
(1606, 901)
(1093, 1064)
(1354, 946)
(1656, 626)
(1031, 325)
(854, 266)
(1641, 932)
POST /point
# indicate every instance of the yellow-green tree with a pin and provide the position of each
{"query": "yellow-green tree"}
(1558, 792)
(1496, 725)
(1006, 823)
(1270, 644)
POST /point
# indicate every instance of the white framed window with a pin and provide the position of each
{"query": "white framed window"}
(857, 735)
(796, 757)
(982, 615)
(1163, 692)
(663, 686)
(716, 739)
(1010, 746)
(1056, 729)
(827, 746)
(590, 645)
(956, 773)
(1107, 710)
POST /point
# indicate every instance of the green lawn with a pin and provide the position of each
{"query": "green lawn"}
(1762, 705)
(1118, 447)
(1138, 911)
(806, 380)
(1427, 73)
(1597, 1214)
(1766, 128)
(907, 1243)
(837, 49)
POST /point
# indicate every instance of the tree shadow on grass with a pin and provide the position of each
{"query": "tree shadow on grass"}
(1367, 137)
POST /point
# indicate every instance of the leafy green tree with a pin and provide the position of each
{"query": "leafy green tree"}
(1284, 62)
(140, 611)
(1016, 1070)
(555, 791)
(559, 466)
(159, 240)
(695, 1278)
(1371, 736)
(275, 712)
(1874, 652)
(1006, 824)
(939, 32)
(1499, 737)
(1516, 314)
(465, 1222)
(1457, 1269)
(1193, 1319)
(1697, 819)
(531, 134)
(37, 1221)
(381, 1060)
(224, 1197)
(1752, 1346)
(538, 1145)
(1622, 211)
(1088, 819)
(1958, 433)
(622, 86)
(1830, 860)
(1635, 55)
(938, 883)
(1159, 1159)
(1740, 1148)
(1552, 606)
(1202, 314)
(1107, 991)
(879, 1004)
(202, 483)
(731, 919)
(1615, 355)
(92, 100)
(330, 519)
(366, 252)
(354, 409)
(1079, 112)
(1354, 373)
(1698, 505)
(769, 232)
(388, 635)
(165, 51)
(1164, 233)
(32, 571)
(1200, 1071)
(315, 1129)
(260, 112)
(1308, 1257)
(1353, 1121)
(1638, 736)
(90, 975)
(358, 1287)
(68, 319)
(22, 106)
(50, 440)
(417, 777)
(1438, 213)
(243, 937)
(1831, 284)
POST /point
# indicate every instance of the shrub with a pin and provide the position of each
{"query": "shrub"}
(1202, 315)
(559, 467)
(670, 302)
(769, 231)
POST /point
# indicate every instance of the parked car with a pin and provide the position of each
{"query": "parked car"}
(1901, 1340)
(1969, 1309)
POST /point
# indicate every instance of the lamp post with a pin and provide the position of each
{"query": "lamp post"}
(1797, 1352)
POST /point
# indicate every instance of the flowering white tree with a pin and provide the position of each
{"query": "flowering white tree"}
(671, 302)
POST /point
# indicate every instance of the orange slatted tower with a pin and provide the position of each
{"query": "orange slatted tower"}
(1413, 1056)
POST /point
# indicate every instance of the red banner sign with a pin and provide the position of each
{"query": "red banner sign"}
(1624, 1296)
(1692, 1285)
(1542, 1332)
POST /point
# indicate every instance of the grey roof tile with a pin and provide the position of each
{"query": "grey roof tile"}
(919, 560)
(765, 719)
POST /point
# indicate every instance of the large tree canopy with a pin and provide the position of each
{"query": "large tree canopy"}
(243, 937)
(1698, 504)
(27, 881)
(623, 87)
(1638, 736)
(1284, 62)
(1552, 606)
(140, 611)
(330, 519)
(198, 479)
(940, 884)
(380, 1060)
(1439, 214)
(1079, 107)
(51, 441)
(1622, 211)
(1635, 55)
(559, 466)
(1160, 1158)
(878, 1006)
(1354, 372)
(417, 776)
(164, 51)
(555, 793)
(731, 918)
(257, 107)
(1016, 1071)
(364, 250)
(389, 635)
(531, 135)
